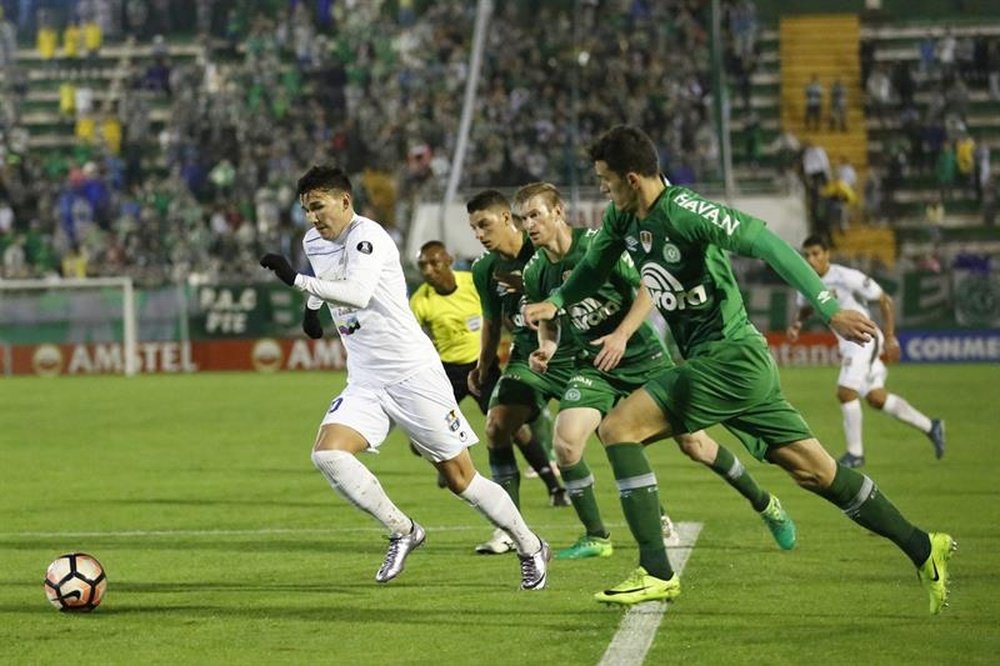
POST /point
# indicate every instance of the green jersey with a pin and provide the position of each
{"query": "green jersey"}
(499, 281)
(680, 250)
(598, 314)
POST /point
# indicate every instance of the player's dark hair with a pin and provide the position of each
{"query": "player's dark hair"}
(626, 149)
(486, 199)
(815, 239)
(324, 177)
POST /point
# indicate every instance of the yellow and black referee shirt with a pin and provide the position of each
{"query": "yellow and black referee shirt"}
(454, 322)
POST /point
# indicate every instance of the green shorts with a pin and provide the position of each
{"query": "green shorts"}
(520, 385)
(590, 387)
(734, 383)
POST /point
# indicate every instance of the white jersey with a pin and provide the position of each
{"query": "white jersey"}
(852, 289)
(383, 340)
(861, 369)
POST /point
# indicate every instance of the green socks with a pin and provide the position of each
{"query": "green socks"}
(859, 498)
(732, 470)
(503, 467)
(580, 486)
(641, 504)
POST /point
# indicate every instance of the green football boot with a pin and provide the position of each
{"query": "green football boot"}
(934, 572)
(780, 523)
(640, 587)
(587, 546)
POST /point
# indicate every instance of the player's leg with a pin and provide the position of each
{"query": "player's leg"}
(855, 372)
(572, 429)
(502, 421)
(700, 447)
(861, 500)
(850, 411)
(897, 407)
(636, 419)
(535, 441)
(354, 423)
(490, 500)
(422, 406)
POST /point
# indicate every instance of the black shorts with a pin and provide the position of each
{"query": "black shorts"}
(458, 374)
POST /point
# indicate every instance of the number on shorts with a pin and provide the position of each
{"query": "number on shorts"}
(334, 405)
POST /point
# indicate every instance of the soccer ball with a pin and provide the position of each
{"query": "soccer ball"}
(75, 582)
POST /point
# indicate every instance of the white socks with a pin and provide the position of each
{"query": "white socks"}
(904, 411)
(492, 501)
(852, 426)
(355, 483)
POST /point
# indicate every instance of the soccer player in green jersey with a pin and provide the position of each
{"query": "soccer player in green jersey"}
(615, 352)
(520, 396)
(679, 241)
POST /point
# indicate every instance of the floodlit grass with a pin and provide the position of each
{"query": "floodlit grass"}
(224, 545)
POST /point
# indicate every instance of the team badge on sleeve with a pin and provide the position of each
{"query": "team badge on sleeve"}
(364, 247)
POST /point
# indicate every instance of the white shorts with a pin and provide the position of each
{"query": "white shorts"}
(861, 369)
(423, 406)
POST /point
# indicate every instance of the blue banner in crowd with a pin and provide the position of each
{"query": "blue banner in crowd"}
(969, 346)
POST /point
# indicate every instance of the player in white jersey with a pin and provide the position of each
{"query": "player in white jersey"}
(393, 374)
(862, 371)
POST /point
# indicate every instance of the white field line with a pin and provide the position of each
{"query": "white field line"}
(638, 628)
(479, 526)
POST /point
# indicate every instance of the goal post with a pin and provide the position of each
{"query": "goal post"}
(19, 312)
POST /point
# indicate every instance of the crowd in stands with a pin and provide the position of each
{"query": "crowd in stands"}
(183, 167)
(935, 137)
(919, 107)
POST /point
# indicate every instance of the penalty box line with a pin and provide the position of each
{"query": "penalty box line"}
(638, 628)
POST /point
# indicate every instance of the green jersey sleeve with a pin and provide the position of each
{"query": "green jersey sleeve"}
(794, 270)
(606, 247)
(481, 270)
(702, 221)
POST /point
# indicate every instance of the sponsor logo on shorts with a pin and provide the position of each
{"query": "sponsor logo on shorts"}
(572, 395)
(454, 423)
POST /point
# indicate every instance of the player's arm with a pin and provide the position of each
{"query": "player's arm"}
(354, 290)
(492, 324)
(887, 307)
(311, 324)
(613, 344)
(708, 222)
(795, 327)
(779, 255)
(548, 342)
(606, 247)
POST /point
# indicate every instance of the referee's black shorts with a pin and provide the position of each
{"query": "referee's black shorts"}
(458, 373)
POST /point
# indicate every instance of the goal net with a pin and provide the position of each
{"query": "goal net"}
(62, 312)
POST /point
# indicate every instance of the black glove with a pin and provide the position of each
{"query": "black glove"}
(311, 325)
(280, 266)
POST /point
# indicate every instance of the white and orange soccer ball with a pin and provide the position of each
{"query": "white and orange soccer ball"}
(75, 582)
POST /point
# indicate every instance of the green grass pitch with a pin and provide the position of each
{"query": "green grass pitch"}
(222, 544)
